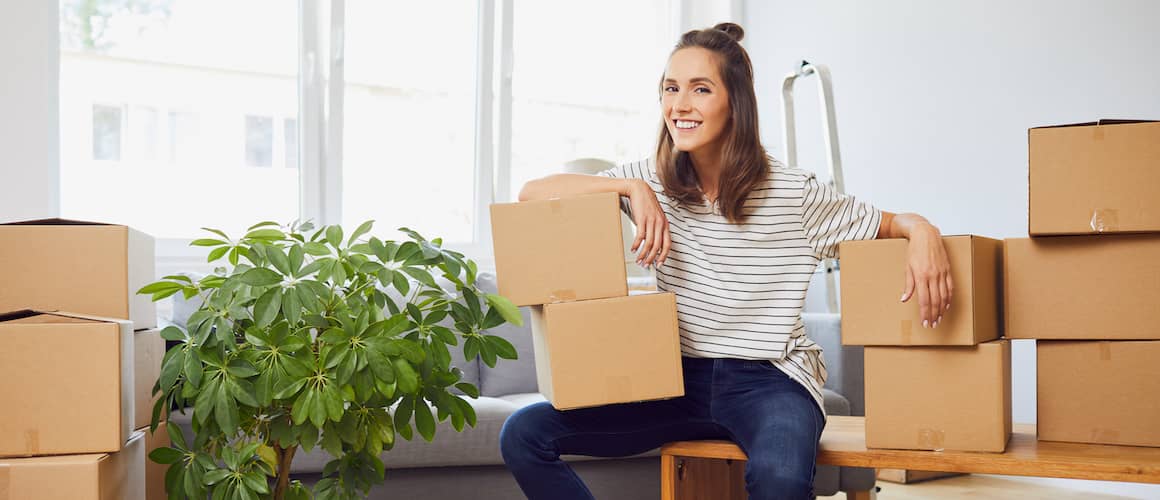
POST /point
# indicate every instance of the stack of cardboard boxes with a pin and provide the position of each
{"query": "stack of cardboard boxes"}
(944, 387)
(1086, 284)
(79, 354)
(595, 344)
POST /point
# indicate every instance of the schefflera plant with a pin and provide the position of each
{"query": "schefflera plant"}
(298, 344)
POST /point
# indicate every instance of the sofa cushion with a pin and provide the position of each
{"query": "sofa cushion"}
(510, 376)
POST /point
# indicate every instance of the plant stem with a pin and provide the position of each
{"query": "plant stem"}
(285, 457)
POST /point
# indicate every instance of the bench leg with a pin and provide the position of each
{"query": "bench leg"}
(861, 495)
(668, 477)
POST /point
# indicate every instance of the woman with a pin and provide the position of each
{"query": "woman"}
(746, 235)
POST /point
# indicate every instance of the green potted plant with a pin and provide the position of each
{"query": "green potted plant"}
(298, 344)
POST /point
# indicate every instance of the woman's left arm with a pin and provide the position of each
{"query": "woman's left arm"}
(928, 271)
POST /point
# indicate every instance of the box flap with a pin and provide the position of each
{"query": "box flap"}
(1102, 121)
(56, 222)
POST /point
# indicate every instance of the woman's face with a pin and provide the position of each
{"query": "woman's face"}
(694, 101)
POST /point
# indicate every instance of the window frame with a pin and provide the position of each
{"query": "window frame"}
(320, 124)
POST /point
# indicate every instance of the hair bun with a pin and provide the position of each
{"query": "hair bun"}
(732, 29)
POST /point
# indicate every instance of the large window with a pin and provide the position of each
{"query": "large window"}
(166, 105)
(409, 128)
(586, 84)
(179, 114)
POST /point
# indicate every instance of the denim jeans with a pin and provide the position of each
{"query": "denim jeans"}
(752, 403)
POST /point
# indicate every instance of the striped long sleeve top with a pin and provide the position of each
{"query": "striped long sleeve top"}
(740, 288)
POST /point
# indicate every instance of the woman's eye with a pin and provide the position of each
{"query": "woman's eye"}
(670, 89)
(706, 91)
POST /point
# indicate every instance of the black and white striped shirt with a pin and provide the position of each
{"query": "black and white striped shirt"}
(740, 288)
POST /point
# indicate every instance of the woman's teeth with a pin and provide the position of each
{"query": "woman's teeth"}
(684, 124)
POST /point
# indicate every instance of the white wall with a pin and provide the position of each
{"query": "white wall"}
(29, 64)
(934, 99)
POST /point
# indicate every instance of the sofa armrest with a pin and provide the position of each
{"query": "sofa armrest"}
(843, 363)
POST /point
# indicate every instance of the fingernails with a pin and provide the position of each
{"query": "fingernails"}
(924, 323)
(938, 320)
(935, 324)
(948, 307)
(902, 297)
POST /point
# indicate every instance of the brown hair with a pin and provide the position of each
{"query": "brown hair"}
(745, 161)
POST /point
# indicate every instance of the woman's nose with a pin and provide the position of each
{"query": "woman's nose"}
(682, 102)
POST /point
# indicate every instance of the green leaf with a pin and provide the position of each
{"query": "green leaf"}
(217, 232)
(288, 388)
(267, 306)
(165, 455)
(424, 422)
(266, 234)
(317, 249)
(217, 253)
(216, 476)
(471, 348)
(171, 365)
(296, 255)
(508, 310)
(173, 333)
(291, 306)
(233, 257)
(241, 368)
(242, 391)
(193, 368)
(364, 228)
(468, 389)
(160, 286)
(503, 348)
(207, 242)
(381, 365)
(334, 235)
(260, 276)
(401, 284)
(301, 410)
(406, 377)
(225, 410)
(317, 407)
(262, 224)
(278, 260)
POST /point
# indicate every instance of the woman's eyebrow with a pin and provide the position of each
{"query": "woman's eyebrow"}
(694, 80)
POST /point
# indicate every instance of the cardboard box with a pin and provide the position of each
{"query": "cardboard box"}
(102, 476)
(939, 398)
(605, 351)
(66, 384)
(148, 349)
(1104, 392)
(559, 250)
(155, 472)
(1083, 287)
(874, 276)
(84, 267)
(1094, 178)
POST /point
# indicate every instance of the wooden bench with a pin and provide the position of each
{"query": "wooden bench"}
(843, 443)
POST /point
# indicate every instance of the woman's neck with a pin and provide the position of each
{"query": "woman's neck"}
(708, 168)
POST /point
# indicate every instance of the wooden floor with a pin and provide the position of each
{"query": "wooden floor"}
(977, 486)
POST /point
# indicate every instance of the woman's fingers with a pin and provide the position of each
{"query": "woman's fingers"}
(639, 236)
(934, 308)
(668, 244)
(645, 235)
(909, 291)
(923, 290)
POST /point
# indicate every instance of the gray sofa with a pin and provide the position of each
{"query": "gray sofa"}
(468, 464)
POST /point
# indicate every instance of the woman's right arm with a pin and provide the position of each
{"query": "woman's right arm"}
(652, 235)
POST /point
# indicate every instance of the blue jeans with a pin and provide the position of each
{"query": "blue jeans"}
(752, 403)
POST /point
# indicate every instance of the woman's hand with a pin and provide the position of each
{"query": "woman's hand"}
(652, 228)
(928, 272)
